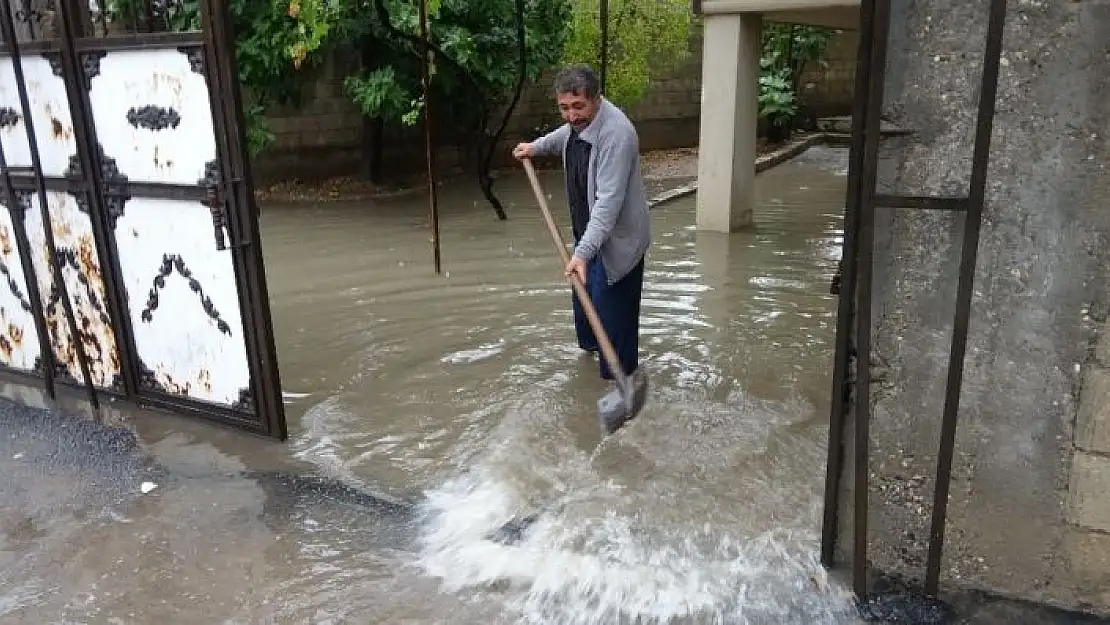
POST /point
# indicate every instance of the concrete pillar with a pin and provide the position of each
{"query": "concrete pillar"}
(729, 114)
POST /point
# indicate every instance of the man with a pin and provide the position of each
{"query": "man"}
(608, 209)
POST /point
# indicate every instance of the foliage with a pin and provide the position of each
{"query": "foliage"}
(479, 39)
(275, 39)
(786, 52)
(777, 100)
(647, 38)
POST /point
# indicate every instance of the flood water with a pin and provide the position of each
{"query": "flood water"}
(466, 394)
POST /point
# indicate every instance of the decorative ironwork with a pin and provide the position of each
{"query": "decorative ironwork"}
(245, 401)
(148, 380)
(213, 199)
(8, 117)
(13, 286)
(61, 372)
(153, 117)
(171, 263)
(54, 58)
(23, 199)
(114, 186)
(28, 14)
(68, 258)
(90, 65)
(212, 176)
(195, 54)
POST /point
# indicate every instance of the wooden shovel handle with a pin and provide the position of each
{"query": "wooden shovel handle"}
(603, 342)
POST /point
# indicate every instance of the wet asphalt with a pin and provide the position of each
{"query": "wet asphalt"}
(56, 466)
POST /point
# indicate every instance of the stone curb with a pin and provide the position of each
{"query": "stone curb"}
(762, 164)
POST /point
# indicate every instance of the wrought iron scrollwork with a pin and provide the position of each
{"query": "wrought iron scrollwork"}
(153, 117)
(214, 200)
(245, 401)
(114, 185)
(8, 117)
(170, 264)
(195, 54)
(90, 65)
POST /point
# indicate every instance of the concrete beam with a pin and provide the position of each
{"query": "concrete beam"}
(711, 7)
(729, 116)
(844, 18)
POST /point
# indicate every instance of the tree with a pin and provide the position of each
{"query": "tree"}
(647, 38)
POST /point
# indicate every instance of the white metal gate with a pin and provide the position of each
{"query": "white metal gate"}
(135, 142)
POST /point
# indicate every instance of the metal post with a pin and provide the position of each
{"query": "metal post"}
(604, 42)
(865, 269)
(425, 79)
(976, 195)
(846, 305)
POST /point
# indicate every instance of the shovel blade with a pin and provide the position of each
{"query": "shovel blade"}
(614, 411)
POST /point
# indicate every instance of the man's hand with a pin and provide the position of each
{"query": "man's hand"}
(523, 151)
(577, 267)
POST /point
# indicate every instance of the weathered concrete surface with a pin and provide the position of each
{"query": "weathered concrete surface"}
(1093, 425)
(1090, 491)
(1040, 293)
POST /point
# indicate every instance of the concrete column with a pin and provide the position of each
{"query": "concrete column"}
(729, 114)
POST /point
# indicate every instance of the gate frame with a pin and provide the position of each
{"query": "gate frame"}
(854, 307)
(229, 195)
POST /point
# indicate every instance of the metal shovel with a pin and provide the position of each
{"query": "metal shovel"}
(620, 405)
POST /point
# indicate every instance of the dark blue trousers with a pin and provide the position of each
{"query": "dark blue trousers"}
(618, 305)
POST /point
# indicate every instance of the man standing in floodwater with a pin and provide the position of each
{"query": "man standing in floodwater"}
(608, 209)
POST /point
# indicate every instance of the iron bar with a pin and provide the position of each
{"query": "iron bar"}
(18, 214)
(604, 18)
(426, 83)
(85, 138)
(976, 195)
(868, 175)
(835, 463)
(955, 204)
(226, 101)
(44, 209)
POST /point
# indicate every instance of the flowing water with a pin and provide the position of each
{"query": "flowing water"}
(466, 394)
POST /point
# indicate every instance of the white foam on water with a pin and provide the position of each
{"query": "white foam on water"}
(584, 563)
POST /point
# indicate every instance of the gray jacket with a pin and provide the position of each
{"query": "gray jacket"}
(620, 225)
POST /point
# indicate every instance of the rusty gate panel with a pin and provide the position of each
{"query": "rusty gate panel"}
(19, 338)
(81, 270)
(131, 209)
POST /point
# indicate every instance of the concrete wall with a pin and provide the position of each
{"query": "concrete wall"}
(324, 137)
(1028, 513)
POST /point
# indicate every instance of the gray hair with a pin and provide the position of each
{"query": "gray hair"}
(579, 80)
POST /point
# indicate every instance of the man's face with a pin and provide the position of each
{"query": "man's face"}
(578, 110)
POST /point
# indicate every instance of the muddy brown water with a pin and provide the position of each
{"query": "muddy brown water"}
(466, 394)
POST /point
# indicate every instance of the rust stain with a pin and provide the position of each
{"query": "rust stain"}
(16, 334)
(171, 385)
(5, 241)
(204, 378)
(94, 329)
(135, 232)
(60, 131)
(156, 163)
(6, 348)
(86, 258)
